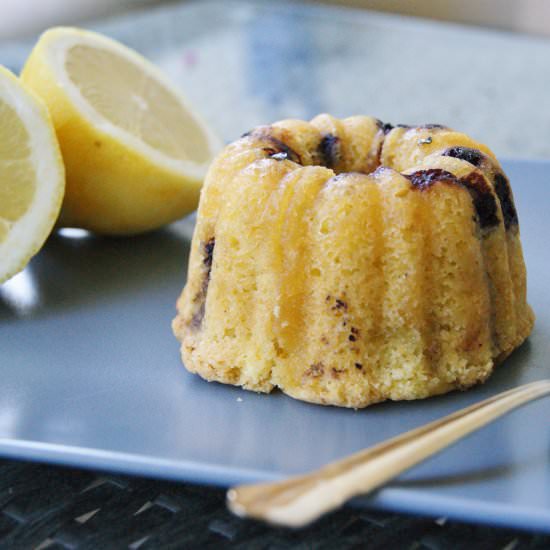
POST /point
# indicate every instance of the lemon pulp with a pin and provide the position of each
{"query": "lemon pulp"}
(31, 175)
(129, 98)
(17, 174)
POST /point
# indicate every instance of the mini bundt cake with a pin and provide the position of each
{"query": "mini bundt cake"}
(347, 262)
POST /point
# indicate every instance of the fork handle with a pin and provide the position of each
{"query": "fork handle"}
(299, 500)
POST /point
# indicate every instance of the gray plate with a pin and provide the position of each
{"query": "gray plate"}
(91, 377)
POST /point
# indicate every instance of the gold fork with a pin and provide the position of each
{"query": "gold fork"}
(300, 500)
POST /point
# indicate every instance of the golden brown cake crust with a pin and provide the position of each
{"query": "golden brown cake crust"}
(348, 261)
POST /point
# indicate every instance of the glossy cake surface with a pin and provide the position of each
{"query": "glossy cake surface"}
(347, 262)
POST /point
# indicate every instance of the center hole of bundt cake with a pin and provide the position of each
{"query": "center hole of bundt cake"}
(328, 152)
(339, 153)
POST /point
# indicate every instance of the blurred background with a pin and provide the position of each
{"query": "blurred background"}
(478, 66)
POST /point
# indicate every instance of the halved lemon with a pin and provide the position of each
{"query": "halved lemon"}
(135, 153)
(31, 175)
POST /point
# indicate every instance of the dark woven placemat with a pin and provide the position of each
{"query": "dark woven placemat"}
(59, 508)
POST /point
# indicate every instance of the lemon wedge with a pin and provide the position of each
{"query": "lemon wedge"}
(31, 175)
(135, 153)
